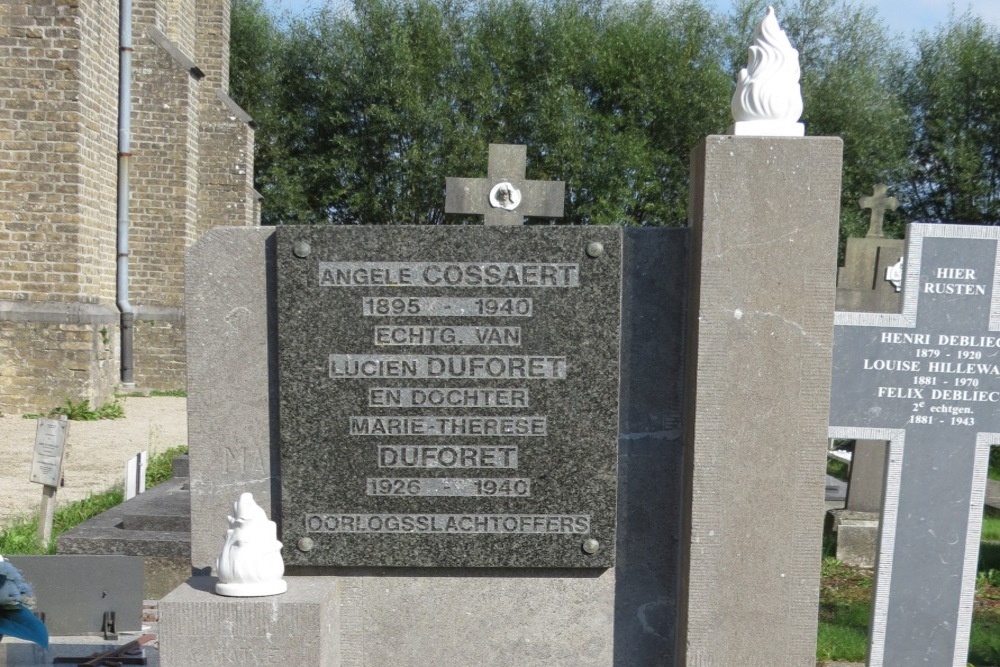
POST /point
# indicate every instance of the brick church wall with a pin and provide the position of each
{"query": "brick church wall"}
(57, 202)
(164, 206)
(191, 169)
(226, 130)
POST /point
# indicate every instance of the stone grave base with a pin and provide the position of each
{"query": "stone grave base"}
(464, 619)
(154, 525)
(198, 627)
(20, 653)
(857, 536)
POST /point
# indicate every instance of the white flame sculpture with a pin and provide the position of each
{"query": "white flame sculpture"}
(768, 99)
(250, 564)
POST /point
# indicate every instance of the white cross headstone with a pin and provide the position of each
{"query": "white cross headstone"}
(928, 381)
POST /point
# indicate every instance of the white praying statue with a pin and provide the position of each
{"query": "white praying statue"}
(768, 99)
(250, 564)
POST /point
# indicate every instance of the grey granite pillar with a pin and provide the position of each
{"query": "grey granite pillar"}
(764, 214)
(232, 389)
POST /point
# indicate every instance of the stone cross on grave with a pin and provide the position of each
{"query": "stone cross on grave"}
(879, 202)
(505, 197)
(928, 382)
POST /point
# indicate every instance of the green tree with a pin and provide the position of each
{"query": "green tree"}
(372, 108)
(260, 61)
(953, 94)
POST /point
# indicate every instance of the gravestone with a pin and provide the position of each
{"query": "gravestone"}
(927, 381)
(861, 282)
(597, 615)
(155, 525)
(862, 285)
(646, 590)
(85, 595)
(879, 202)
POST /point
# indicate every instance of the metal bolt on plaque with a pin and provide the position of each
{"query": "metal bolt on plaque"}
(591, 546)
(595, 249)
(302, 249)
(305, 544)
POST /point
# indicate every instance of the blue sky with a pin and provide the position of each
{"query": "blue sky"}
(903, 16)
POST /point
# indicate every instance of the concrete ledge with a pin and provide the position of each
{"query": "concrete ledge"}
(57, 312)
(105, 533)
(167, 511)
(159, 313)
(164, 43)
(236, 112)
(300, 627)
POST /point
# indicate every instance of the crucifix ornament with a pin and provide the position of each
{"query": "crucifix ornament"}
(505, 196)
(927, 380)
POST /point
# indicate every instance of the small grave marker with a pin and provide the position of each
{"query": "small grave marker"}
(927, 381)
(46, 469)
(135, 475)
(505, 197)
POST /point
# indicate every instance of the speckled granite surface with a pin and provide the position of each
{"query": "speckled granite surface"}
(519, 475)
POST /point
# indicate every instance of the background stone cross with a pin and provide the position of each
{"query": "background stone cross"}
(505, 197)
(879, 202)
(928, 381)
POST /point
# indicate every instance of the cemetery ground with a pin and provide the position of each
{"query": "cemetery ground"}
(846, 594)
(845, 606)
(96, 451)
(19, 535)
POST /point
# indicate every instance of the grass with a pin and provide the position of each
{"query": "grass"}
(159, 467)
(20, 537)
(840, 638)
(81, 411)
(991, 529)
(173, 393)
(845, 608)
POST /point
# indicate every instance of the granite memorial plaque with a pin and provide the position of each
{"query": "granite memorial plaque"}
(449, 395)
(928, 382)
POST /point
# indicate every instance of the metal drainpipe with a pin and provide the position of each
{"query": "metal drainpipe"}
(124, 153)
